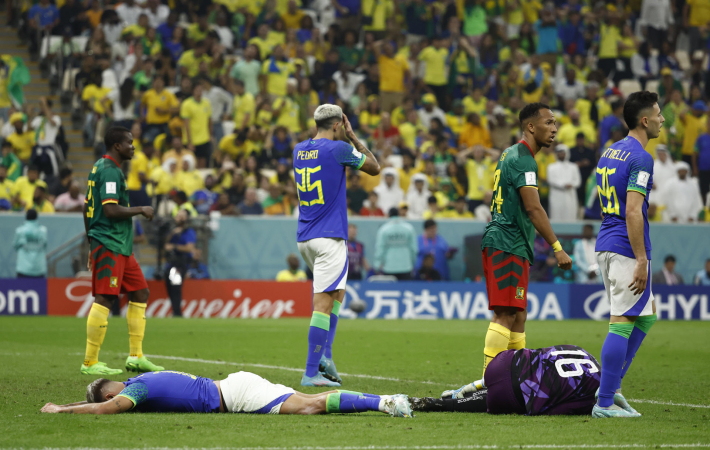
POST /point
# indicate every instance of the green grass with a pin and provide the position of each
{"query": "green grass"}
(40, 360)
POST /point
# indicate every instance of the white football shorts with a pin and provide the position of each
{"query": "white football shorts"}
(245, 392)
(617, 273)
(328, 260)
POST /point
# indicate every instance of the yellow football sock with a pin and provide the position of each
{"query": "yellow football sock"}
(95, 331)
(497, 339)
(517, 341)
(136, 328)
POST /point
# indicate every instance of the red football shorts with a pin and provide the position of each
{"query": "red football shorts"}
(113, 273)
(506, 279)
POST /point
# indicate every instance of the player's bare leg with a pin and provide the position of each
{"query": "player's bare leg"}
(346, 402)
(317, 338)
(517, 331)
(96, 324)
(135, 316)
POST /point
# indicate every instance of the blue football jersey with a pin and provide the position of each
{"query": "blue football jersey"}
(170, 391)
(625, 166)
(319, 167)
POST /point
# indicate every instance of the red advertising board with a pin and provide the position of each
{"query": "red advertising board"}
(201, 298)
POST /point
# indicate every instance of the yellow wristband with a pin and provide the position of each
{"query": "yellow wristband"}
(557, 247)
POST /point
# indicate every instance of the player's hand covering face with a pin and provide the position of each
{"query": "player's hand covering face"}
(544, 128)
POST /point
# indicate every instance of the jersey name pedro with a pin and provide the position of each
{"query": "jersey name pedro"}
(623, 167)
(108, 185)
(556, 380)
(510, 228)
(319, 168)
(170, 391)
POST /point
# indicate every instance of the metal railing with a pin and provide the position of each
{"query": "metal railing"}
(76, 247)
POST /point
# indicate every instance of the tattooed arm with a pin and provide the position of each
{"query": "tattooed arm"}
(371, 166)
(115, 405)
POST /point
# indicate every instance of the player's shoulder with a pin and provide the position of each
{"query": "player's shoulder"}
(518, 155)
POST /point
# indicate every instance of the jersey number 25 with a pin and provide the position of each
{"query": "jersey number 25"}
(307, 185)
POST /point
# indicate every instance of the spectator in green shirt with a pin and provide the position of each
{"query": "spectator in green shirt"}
(10, 161)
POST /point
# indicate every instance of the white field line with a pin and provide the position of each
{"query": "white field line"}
(403, 447)
(656, 402)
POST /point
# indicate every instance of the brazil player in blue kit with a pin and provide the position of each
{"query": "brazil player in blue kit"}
(240, 392)
(319, 167)
(625, 178)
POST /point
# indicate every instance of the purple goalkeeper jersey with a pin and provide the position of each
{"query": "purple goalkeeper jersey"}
(555, 380)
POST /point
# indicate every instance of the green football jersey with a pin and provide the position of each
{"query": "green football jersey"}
(510, 228)
(108, 185)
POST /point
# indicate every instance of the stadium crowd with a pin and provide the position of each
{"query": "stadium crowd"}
(218, 93)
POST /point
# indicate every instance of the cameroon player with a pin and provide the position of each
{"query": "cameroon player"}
(109, 227)
(508, 239)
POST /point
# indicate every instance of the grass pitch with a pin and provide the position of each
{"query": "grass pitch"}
(41, 358)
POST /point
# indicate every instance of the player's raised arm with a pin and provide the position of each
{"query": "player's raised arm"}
(370, 166)
(115, 405)
(538, 217)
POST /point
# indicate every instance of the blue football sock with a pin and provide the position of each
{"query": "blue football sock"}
(344, 402)
(613, 356)
(317, 335)
(641, 327)
(331, 332)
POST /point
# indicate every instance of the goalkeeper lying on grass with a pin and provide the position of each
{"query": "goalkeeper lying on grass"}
(240, 392)
(558, 380)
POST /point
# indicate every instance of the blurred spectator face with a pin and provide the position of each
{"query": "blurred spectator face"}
(158, 84)
(293, 262)
(431, 232)
(32, 175)
(588, 232)
(389, 179)
(173, 167)
(355, 182)
(178, 34)
(682, 173)
(181, 217)
(352, 232)
(372, 197)
(263, 30)
(479, 153)
(670, 266)
(412, 117)
(429, 167)
(419, 185)
(386, 121)
(250, 196)
(580, 141)
(3, 173)
(652, 208)
(474, 119)
(197, 91)
(172, 17)
(209, 182)
(428, 262)
(281, 134)
(662, 154)
(275, 190)
(403, 210)
(223, 200)
(571, 76)
(177, 144)
(350, 38)
(186, 84)
(388, 49)
(617, 134)
(460, 205)
(477, 94)
(250, 52)
(574, 116)
(534, 61)
(278, 52)
(38, 195)
(18, 124)
(251, 164)
(407, 161)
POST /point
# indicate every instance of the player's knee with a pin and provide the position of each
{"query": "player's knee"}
(105, 300)
(313, 406)
(141, 296)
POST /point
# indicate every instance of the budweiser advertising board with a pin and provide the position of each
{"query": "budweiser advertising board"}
(201, 298)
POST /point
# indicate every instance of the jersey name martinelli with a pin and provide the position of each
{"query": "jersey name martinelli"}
(319, 168)
(623, 167)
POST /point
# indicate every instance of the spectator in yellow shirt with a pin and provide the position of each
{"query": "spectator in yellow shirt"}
(475, 103)
(478, 172)
(286, 110)
(694, 124)
(22, 140)
(190, 61)
(199, 30)
(474, 133)
(292, 17)
(592, 109)
(394, 75)
(261, 41)
(7, 186)
(534, 82)
(460, 211)
(189, 180)
(293, 273)
(40, 202)
(244, 106)
(236, 145)
(455, 118)
(275, 72)
(196, 113)
(159, 105)
(567, 133)
(435, 56)
(24, 189)
(138, 178)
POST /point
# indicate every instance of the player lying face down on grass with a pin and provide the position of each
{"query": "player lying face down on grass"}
(558, 380)
(240, 392)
